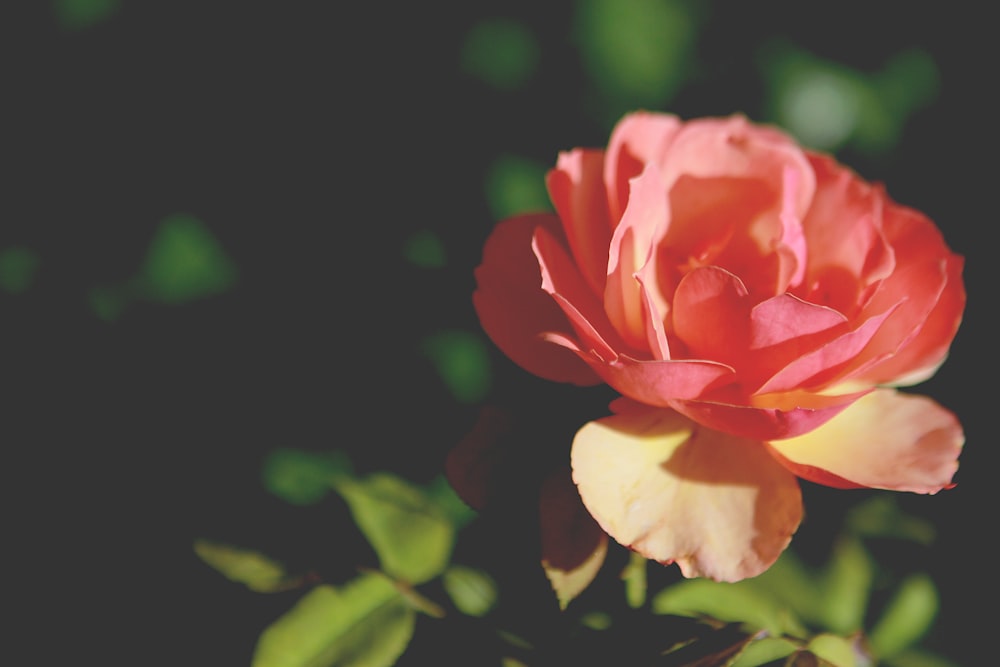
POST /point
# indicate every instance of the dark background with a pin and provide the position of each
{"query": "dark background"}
(313, 139)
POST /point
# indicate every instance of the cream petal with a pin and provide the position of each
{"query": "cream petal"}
(718, 506)
(884, 440)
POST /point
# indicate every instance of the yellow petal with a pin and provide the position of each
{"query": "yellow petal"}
(719, 506)
(884, 440)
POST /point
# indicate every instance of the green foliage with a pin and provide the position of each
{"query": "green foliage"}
(412, 537)
(424, 249)
(637, 53)
(461, 359)
(825, 612)
(255, 570)
(472, 591)
(907, 617)
(184, 262)
(304, 478)
(634, 577)
(18, 266)
(500, 52)
(365, 623)
(827, 105)
(80, 14)
(516, 185)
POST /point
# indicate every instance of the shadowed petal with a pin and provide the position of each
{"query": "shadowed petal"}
(573, 545)
(718, 506)
(885, 440)
(509, 281)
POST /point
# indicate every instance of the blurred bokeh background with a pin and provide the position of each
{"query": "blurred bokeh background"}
(231, 227)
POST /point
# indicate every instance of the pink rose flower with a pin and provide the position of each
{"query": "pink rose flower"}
(755, 304)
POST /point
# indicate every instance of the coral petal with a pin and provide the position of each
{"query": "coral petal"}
(509, 281)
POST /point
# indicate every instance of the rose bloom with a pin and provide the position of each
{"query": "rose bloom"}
(755, 304)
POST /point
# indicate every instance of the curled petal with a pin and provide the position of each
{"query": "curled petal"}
(631, 249)
(718, 506)
(659, 383)
(885, 440)
(509, 282)
(711, 313)
(771, 416)
(637, 140)
(578, 196)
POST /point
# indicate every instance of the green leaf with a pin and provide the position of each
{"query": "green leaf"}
(462, 361)
(792, 585)
(365, 623)
(411, 536)
(906, 618)
(516, 185)
(765, 650)
(424, 249)
(256, 571)
(736, 602)
(304, 478)
(79, 14)
(501, 52)
(840, 651)
(184, 262)
(18, 266)
(473, 592)
(442, 495)
(880, 516)
(634, 576)
(847, 586)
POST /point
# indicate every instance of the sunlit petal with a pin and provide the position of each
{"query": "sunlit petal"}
(885, 440)
(718, 506)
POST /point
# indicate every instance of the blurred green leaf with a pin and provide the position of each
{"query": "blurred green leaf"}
(365, 623)
(80, 14)
(906, 618)
(108, 302)
(304, 478)
(880, 516)
(918, 658)
(462, 361)
(827, 105)
(501, 52)
(424, 249)
(638, 53)
(765, 650)
(411, 536)
(516, 185)
(634, 576)
(440, 492)
(847, 583)
(251, 568)
(184, 262)
(791, 585)
(730, 602)
(474, 592)
(18, 266)
(839, 651)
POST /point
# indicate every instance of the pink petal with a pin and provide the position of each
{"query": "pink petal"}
(718, 506)
(638, 139)
(711, 314)
(632, 245)
(562, 280)
(771, 417)
(577, 192)
(660, 383)
(828, 363)
(885, 440)
(513, 308)
(929, 276)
